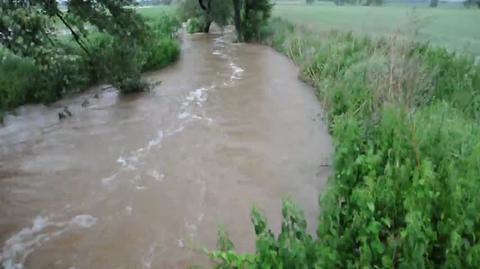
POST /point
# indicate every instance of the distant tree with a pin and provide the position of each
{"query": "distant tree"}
(433, 3)
(310, 1)
(207, 11)
(255, 15)
(237, 6)
(471, 3)
(374, 2)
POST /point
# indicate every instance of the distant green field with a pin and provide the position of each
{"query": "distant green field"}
(457, 28)
(153, 12)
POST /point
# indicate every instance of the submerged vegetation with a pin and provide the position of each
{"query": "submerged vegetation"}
(404, 187)
(47, 52)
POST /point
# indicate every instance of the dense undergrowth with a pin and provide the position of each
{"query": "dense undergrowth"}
(26, 80)
(406, 170)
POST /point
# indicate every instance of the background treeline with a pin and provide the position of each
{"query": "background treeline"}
(248, 16)
(405, 181)
(47, 52)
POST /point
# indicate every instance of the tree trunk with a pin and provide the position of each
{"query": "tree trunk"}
(237, 19)
(206, 29)
(433, 3)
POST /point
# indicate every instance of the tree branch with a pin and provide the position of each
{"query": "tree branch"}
(74, 34)
(202, 5)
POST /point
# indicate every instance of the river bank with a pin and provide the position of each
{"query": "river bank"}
(63, 67)
(403, 194)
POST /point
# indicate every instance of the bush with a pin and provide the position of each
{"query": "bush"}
(161, 53)
(255, 17)
(22, 81)
(65, 68)
(14, 92)
(403, 193)
(195, 25)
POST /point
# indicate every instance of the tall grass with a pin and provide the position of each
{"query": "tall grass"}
(405, 182)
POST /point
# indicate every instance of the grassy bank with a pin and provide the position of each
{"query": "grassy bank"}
(70, 69)
(405, 181)
(451, 27)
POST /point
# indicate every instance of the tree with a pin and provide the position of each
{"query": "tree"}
(204, 12)
(471, 3)
(433, 3)
(310, 1)
(249, 15)
(255, 15)
(237, 5)
(29, 28)
(374, 2)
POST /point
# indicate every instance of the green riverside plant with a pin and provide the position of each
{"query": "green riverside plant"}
(69, 69)
(404, 188)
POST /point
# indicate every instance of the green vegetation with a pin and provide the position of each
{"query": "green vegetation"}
(404, 189)
(200, 18)
(249, 16)
(255, 16)
(47, 53)
(453, 27)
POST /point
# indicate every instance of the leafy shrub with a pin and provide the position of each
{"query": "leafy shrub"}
(14, 92)
(403, 192)
(46, 68)
(195, 25)
(23, 81)
(161, 53)
(255, 16)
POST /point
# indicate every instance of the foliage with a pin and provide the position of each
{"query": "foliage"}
(255, 16)
(472, 3)
(198, 20)
(39, 63)
(195, 25)
(403, 193)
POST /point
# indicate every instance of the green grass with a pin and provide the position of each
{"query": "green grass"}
(453, 27)
(154, 12)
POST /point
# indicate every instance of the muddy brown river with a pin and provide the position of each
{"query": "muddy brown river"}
(144, 181)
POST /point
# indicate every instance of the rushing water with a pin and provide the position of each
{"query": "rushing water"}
(144, 181)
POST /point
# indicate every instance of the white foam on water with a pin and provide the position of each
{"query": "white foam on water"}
(156, 141)
(183, 115)
(216, 52)
(175, 131)
(157, 176)
(237, 71)
(122, 161)
(149, 257)
(107, 181)
(132, 160)
(140, 188)
(17, 248)
(129, 210)
(199, 95)
(128, 162)
(83, 221)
